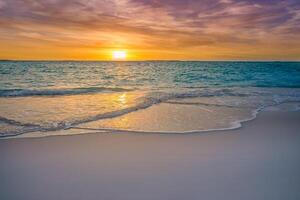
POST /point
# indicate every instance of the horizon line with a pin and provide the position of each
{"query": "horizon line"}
(146, 60)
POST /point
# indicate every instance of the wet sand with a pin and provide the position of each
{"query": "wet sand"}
(258, 161)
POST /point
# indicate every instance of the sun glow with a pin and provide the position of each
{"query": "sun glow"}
(119, 55)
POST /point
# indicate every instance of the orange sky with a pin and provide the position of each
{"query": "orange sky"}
(150, 29)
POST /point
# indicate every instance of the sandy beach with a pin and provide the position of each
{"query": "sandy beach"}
(150, 100)
(258, 161)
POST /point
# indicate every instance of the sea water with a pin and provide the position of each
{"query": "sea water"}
(150, 96)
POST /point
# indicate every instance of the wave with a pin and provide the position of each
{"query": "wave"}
(152, 99)
(16, 123)
(204, 104)
(231, 126)
(21, 128)
(58, 92)
(67, 125)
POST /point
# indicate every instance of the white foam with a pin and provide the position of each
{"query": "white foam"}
(205, 102)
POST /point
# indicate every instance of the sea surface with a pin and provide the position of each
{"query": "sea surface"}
(152, 96)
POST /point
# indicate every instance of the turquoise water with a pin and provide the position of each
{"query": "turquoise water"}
(50, 96)
(86, 77)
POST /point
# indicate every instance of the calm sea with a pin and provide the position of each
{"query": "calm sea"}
(51, 96)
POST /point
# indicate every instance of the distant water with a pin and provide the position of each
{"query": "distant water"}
(49, 96)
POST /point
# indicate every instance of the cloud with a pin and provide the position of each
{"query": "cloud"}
(152, 24)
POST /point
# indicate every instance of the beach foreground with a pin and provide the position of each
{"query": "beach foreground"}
(258, 161)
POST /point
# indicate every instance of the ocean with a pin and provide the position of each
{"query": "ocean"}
(42, 98)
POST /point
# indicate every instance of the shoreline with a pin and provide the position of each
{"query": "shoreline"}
(73, 130)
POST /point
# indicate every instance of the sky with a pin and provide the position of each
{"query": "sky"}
(150, 29)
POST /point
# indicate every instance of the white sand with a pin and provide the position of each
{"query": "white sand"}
(257, 162)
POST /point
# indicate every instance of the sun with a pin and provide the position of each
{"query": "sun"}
(119, 55)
